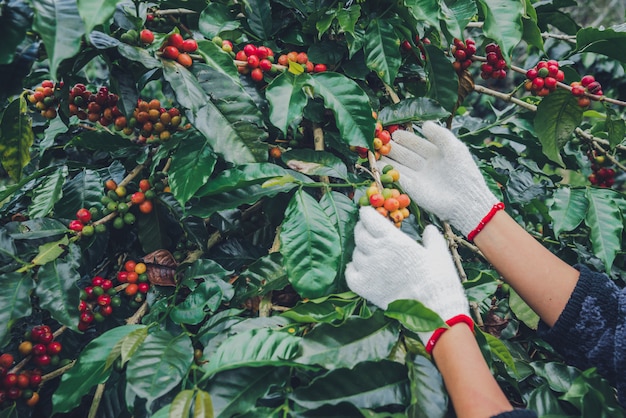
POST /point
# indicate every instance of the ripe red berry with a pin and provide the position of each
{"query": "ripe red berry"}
(54, 348)
(104, 300)
(42, 360)
(190, 45)
(253, 61)
(106, 310)
(265, 64)
(10, 380)
(76, 225)
(586, 80)
(6, 360)
(143, 287)
(531, 74)
(35, 380)
(137, 198)
(263, 51)
(241, 56)
(39, 349)
(377, 200)
(171, 52)
(185, 60)
(250, 50)
(550, 83)
(144, 184)
(176, 40)
(146, 36)
(257, 74)
(319, 68)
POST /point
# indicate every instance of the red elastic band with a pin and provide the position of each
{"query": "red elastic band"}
(461, 318)
(498, 206)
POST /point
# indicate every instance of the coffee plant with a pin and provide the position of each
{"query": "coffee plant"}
(180, 180)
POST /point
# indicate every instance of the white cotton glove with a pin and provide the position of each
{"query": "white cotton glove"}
(440, 175)
(388, 265)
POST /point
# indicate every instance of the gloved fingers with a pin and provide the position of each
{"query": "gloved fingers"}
(441, 137)
(434, 241)
(414, 143)
(375, 226)
(405, 156)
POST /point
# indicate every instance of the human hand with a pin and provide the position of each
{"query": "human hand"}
(440, 175)
(388, 265)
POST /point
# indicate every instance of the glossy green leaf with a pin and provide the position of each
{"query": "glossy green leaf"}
(593, 396)
(457, 15)
(287, 99)
(503, 23)
(126, 347)
(51, 251)
(140, 55)
(352, 342)
(236, 391)
(442, 79)
(544, 402)
(259, 17)
(192, 165)
(15, 300)
(61, 29)
(522, 311)
(203, 405)
(412, 109)
(343, 214)
(216, 18)
(315, 163)
(182, 405)
(382, 50)
(310, 246)
(240, 176)
(16, 139)
(56, 287)
(347, 17)
(350, 105)
(254, 348)
(558, 375)
(329, 310)
(83, 191)
(48, 193)
(17, 20)
(531, 32)
(429, 397)
(216, 58)
(616, 128)
(425, 10)
(557, 116)
(153, 232)
(498, 348)
(606, 41)
(187, 88)
(101, 141)
(8, 253)
(230, 120)
(205, 298)
(262, 276)
(568, 209)
(9, 190)
(96, 12)
(89, 369)
(605, 224)
(414, 315)
(367, 385)
(159, 365)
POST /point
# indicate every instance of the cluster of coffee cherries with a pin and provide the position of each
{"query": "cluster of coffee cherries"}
(381, 142)
(137, 282)
(83, 222)
(39, 343)
(389, 202)
(132, 37)
(587, 84)
(44, 100)
(19, 384)
(255, 60)
(118, 200)
(495, 67)
(97, 302)
(542, 79)
(406, 45)
(178, 49)
(100, 106)
(151, 121)
(303, 59)
(225, 44)
(462, 52)
(602, 176)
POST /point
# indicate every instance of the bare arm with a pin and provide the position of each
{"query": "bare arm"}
(472, 388)
(543, 280)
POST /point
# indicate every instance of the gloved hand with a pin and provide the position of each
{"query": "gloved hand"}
(439, 174)
(388, 265)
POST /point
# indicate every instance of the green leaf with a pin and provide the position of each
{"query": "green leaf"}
(287, 99)
(310, 247)
(593, 396)
(382, 50)
(315, 163)
(262, 276)
(544, 402)
(215, 19)
(89, 369)
(414, 315)
(254, 348)
(610, 41)
(15, 300)
(217, 59)
(186, 87)
(558, 376)
(17, 16)
(425, 10)
(153, 229)
(230, 120)
(532, 33)
(182, 404)
(241, 176)
(350, 105)
(413, 109)
(568, 209)
(51, 251)
(429, 397)
(558, 115)
(324, 22)
(126, 347)
(457, 15)
(102, 141)
(522, 311)
(348, 16)
(616, 128)
(442, 79)
(192, 165)
(259, 17)
(61, 29)
(235, 392)
(329, 310)
(503, 23)
(57, 289)
(16, 139)
(159, 365)
(83, 191)
(605, 223)
(205, 298)
(356, 340)
(367, 385)
(48, 193)
(96, 12)
(140, 55)
(343, 214)
(498, 348)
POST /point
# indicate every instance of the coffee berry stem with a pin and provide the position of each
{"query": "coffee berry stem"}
(371, 158)
(179, 11)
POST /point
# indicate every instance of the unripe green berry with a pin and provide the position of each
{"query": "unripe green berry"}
(118, 223)
(129, 218)
(387, 168)
(122, 207)
(386, 179)
(88, 230)
(364, 201)
(101, 228)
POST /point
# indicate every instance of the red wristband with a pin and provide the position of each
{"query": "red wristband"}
(439, 331)
(498, 206)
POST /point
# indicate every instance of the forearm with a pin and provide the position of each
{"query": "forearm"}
(543, 280)
(472, 388)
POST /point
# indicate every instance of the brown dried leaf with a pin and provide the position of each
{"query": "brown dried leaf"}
(161, 268)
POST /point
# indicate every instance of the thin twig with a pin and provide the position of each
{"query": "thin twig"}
(97, 397)
(374, 170)
(506, 97)
(318, 143)
(58, 372)
(136, 317)
(178, 11)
